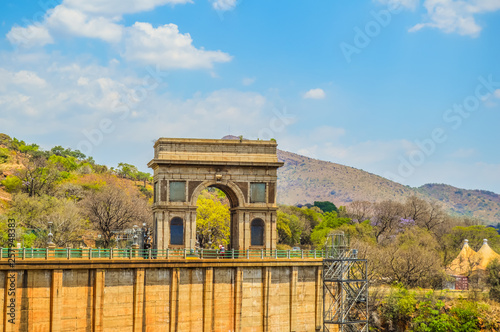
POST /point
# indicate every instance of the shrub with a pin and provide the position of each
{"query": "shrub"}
(12, 183)
(4, 155)
(466, 314)
(398, 308)
(431, 316)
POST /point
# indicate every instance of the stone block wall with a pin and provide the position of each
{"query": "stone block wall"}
(175, 295)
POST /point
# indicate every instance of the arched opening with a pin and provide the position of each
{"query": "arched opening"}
(177, 231)
(234, 199)
(213, 219)
(257, 232)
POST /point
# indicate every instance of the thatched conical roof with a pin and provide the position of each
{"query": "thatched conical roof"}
(466, 261)
(485, 255)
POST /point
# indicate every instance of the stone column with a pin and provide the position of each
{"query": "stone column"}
(174, 299)
(159, 240)
(266, 280)
(267, 229)
(294, 276)
(246, 225)
(274, 235)
(56, 290)
(98, 304)
(319, 297)
(138, 300)
(238, 292)
(208, 288)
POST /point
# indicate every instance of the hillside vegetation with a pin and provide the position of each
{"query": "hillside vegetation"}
(304, 180)
(83, 200)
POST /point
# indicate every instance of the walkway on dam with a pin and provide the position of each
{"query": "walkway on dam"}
(114, 253)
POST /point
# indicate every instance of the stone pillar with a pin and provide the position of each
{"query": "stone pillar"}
(319, 298)
(188, 225)
(238, 298)
(208, 288)
(273, 225)
(192, 228)
(56, 300)
(174, 299)
(294, 276)
(266, 280)
(98, 304)
(135, 250)
(268, 234)
(241, 229)
(159, 244)
(246, 225)
(138, 300)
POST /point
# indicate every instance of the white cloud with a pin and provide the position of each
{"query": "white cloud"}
(119, 7)
(250, 80)
(314, 94)
(23, 79)
(73, 22)
(65, 101)
(166, 47)
(497, 93)
(409, 4)
(223, 5)
(31, 36)
(456, 16)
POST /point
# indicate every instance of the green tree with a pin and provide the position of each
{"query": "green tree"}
(326, 206)
(330, 222)
(283, 228)
(212, 220)
(493, 279)
(68, 163)
(142, 176)
(289, 228)
(127, 171)
(308, 218)
(38, 176)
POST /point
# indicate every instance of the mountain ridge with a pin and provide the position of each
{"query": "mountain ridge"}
(305, 180)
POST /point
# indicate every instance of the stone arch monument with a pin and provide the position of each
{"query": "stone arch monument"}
(245, 170)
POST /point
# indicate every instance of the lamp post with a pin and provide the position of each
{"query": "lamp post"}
(135, 245)
(50, 244)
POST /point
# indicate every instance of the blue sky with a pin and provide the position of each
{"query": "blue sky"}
(406, 89)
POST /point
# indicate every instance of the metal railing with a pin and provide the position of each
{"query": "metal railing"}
(128, 253)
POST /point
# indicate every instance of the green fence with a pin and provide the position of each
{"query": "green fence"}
(128, 253)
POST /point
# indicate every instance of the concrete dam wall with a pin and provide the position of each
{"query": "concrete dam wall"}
(161, 295)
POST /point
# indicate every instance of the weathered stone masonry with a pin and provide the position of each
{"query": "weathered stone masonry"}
(165, 295)
(246, 171)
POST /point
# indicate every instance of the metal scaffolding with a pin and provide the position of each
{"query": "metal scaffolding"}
(345, 287)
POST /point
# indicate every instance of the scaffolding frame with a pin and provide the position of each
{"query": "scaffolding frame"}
(345, 287)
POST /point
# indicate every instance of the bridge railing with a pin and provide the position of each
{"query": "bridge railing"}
(128, 253)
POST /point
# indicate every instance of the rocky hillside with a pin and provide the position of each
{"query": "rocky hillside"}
(479, 203)
(305, 180)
